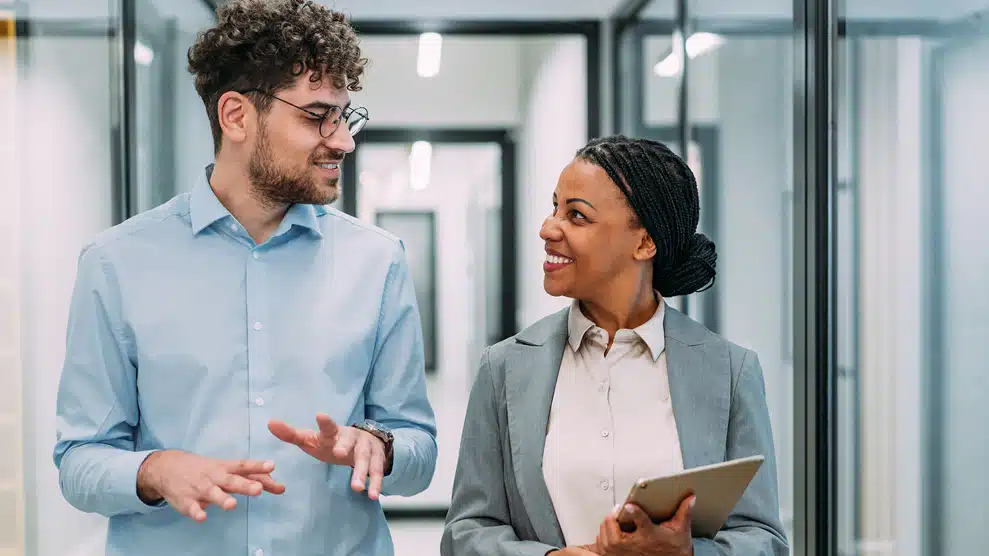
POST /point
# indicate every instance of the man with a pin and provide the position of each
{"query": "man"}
(202, 332)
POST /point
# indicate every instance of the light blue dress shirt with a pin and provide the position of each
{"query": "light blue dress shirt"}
(185, 334)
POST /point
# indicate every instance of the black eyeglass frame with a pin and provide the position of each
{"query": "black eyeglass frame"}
(345, 114)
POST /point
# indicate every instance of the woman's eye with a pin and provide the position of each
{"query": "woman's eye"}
(576, 214)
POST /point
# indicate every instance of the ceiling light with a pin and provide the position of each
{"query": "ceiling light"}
(430, 52)
(420, 159)
(143, 54)
(697, 44)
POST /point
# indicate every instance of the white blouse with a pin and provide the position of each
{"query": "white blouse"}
(611, 422)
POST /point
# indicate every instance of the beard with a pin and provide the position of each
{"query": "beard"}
(276, 184)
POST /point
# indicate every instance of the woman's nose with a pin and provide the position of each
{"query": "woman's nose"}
(549, 230)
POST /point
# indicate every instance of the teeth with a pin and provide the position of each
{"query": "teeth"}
(553, 259)
(329, 166)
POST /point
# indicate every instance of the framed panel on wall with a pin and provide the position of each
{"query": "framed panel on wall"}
(417, 228)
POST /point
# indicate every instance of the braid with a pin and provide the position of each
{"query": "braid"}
(662, 192)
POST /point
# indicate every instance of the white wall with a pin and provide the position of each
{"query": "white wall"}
(65, 186)
(477, 86)
(554, 126)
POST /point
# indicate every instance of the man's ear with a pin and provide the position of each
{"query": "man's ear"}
(236, 115)
(647, 247)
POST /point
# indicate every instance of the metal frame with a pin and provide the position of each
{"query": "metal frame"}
(933, 312)
(432, 341)
(814, 283)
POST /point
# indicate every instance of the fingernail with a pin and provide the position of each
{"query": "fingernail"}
(269, 465)
(693, 502)
(615, 510)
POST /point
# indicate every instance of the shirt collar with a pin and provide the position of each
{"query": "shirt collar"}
(205, 209)
(650, 332)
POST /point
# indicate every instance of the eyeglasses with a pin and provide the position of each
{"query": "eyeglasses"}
(329, 121)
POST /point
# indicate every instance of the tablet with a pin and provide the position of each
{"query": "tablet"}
(717, 488)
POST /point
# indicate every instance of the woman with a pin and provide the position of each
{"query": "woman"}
(567, 414)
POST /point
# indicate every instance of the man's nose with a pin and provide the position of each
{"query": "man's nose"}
(341, 139)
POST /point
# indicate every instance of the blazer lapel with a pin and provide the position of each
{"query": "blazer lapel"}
(700, 385)
(531, 370)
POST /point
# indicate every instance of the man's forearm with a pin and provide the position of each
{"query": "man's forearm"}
(100, 478)
(413, 462)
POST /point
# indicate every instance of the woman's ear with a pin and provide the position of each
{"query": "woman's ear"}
(647, 247)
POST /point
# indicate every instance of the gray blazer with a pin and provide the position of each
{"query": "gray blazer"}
(501, 505)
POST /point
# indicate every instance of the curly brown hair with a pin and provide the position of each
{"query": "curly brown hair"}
(266, 45)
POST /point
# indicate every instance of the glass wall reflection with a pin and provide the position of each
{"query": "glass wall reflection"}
(171, 132)
(911, 261)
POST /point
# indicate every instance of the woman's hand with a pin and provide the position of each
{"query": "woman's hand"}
(583, 550)
(670, 538)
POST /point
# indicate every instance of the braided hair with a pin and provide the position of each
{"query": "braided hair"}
(662, 192)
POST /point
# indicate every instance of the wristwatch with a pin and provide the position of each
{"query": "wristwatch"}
(383, 434)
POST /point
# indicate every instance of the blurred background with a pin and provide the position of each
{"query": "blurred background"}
(840, 150)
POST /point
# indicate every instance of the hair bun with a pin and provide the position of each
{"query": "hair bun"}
(692, 271)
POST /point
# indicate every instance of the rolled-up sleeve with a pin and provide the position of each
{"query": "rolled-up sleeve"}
(96, 409)
(396, 393)
(753, 528)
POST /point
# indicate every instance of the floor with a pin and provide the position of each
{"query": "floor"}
(416, 538)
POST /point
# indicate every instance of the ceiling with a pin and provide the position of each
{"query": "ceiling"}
(514, 10)
(569, 10)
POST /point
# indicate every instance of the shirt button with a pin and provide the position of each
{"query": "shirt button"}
(233, 227)
(260, 403)
(257, 326)
(605, 485)
(604, 434)
(256, 256)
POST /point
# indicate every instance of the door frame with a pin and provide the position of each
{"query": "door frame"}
(503, 138)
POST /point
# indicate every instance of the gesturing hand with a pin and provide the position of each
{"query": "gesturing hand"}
(190, 483)
(670, 538)
(338, 445)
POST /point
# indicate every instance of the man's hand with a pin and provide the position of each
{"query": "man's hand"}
(338, 445)
(190, 483)
(670, 538)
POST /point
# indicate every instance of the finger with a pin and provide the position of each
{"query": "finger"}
(681, 520)
(285, 432)
(634, 513)
(327, 426)
(362, 463)
(377, 470)
(612, 533)
(269, 484)
(235, 484)
(215, 495)
(345, 443)
(190, 508)
(246, 467)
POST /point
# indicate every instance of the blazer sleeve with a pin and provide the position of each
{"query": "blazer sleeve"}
(753, 528)
(479, 522)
